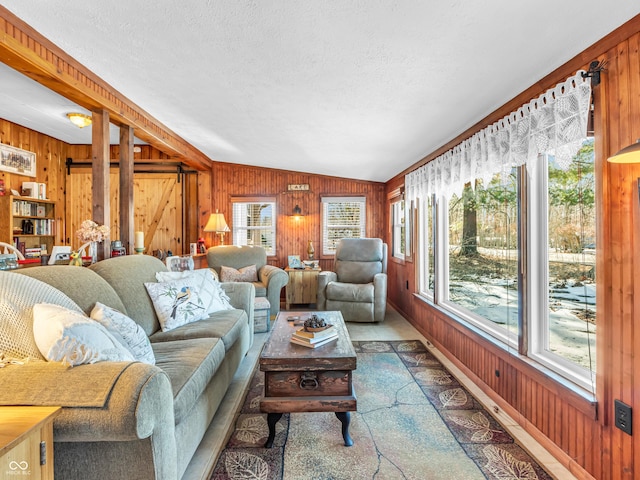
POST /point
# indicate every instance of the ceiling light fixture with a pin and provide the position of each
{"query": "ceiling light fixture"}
(80, 120)
(630, 154)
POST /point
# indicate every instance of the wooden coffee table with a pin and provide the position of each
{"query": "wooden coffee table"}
(301, 379)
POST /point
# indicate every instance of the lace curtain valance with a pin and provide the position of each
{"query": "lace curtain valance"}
(554, 123)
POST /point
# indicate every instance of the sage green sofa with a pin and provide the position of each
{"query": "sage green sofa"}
(129, 419)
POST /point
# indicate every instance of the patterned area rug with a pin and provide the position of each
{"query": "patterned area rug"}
(414, 421)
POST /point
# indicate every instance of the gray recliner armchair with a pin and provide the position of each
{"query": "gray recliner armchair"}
(358, 287)
(271, 279)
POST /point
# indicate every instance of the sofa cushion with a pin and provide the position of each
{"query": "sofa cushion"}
(358, 260)
(226, 325)
(236, 256)
(126, 331)
(350, 292)
(127, 275)
(70, 337)
(190, 365)
(82, 285)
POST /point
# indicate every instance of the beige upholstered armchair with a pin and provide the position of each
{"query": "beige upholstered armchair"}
(270, 279)
(358, 287)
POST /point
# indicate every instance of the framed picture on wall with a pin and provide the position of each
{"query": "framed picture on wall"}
(16, 160)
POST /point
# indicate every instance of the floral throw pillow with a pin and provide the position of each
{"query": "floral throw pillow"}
(214, 298)
(245, 274)
(177, 302)
(126, 331)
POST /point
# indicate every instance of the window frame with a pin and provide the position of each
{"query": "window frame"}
(236, 229)
(398, 223)
(325, 252)
(532, 192)
(503, 335)
(537, 304)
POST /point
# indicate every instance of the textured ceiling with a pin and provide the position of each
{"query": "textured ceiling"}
(359, 89)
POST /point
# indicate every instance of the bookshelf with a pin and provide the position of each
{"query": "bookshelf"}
(27, 223)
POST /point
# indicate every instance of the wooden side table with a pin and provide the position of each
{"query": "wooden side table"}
(26, 442)
(200, 261)
(302, 286)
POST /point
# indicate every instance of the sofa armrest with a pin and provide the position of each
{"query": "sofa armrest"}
(242, 296)
(324, 278)
(274, 278)
(138, 404)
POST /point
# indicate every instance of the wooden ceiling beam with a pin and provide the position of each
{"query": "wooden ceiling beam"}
(28, 52)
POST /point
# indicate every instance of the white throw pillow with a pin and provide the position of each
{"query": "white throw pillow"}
(63, 335)
(213, 296)
(177, 302)
(126, 331)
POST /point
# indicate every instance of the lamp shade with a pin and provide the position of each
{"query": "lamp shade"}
(216, 223)
(630, 154)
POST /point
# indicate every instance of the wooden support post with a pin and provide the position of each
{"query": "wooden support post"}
(100, 173)
(126, 187)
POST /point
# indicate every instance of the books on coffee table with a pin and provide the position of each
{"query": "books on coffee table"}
(317, 344)
(314, 339)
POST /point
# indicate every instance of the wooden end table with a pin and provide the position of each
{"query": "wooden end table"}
(26, 442)
(302, 287)
(302, 379)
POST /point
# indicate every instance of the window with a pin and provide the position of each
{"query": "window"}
(254, 223)
(471, 256)
(562, 243)
(482, 255)
(507, 234)
(342, 217)
(398, 230)
(426, 247)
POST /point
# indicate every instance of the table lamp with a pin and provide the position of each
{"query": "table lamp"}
(217, 224)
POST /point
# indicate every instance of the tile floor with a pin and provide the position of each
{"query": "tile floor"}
(395, 327)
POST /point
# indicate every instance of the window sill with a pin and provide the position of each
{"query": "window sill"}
(581, 399)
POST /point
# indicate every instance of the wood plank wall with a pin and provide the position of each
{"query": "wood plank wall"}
(209, 190)
(161, 202)
(580, 435)
(50, 160)
(292, 236)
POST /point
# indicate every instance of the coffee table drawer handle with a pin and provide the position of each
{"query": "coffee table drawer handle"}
(308, 381)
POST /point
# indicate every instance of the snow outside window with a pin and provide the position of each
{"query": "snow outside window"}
(482, 255)
(563, 265)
